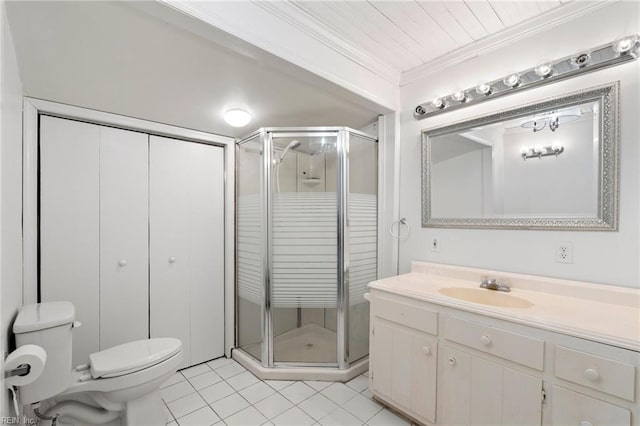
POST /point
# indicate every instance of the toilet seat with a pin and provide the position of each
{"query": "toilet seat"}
(131, 357)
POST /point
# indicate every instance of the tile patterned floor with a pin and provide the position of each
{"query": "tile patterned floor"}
(222, 392)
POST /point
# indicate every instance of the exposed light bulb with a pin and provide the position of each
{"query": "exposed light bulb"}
(237, 117)
(438, 103)
(581, 60)
(459, 96)
(624, 45)
(524, 151)
(484, 89)
(512, 80)
(544, 70)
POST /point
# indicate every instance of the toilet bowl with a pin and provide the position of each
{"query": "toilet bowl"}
(123, 381)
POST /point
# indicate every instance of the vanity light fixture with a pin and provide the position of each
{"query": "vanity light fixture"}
(621, 51)
(459, 96)
(512, 80)
(237, 117)
(484, 88)
(544, 70)
(541, 151)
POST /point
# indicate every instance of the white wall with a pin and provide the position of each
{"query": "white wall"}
(602, 257)
(10, 191)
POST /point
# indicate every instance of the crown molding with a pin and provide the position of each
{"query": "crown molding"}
(549, 19)
(306, 23)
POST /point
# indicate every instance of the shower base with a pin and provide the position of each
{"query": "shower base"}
(307, 344)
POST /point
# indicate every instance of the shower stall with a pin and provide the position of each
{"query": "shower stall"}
(306, 248)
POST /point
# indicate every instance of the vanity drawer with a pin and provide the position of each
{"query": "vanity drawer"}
(602, 374)
(572, 408)
(504, 344)
(406, 314)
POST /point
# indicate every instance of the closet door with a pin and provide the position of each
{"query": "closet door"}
(124, 238)
(69, 224)
(206, 245)
(169, 292)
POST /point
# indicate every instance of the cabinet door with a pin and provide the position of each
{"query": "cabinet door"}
(69, 224)
(169, 293)
(381, 357)
(124, 239)
(206, 247)
(572, 408)
(424, 369)
(480, 392)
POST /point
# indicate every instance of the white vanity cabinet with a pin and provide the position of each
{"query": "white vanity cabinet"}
(403, 356)
(487, 371)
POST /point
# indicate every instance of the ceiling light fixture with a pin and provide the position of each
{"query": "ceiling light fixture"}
(614, 53)
(237, 117)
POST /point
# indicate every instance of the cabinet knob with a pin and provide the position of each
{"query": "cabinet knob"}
(122, 262)
(591, 374)
(426, 350)
(586, 423)
(172, 259)
(485, 340)
(452, 361)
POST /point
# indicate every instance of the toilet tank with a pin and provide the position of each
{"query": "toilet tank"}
(48, 325)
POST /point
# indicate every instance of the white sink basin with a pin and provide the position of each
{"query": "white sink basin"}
(486, 297)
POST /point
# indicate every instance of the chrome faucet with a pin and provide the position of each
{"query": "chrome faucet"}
(492, 284)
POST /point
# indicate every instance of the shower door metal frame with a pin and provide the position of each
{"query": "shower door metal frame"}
(342, 262)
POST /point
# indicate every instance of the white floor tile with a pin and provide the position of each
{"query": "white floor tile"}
(273, 405)
(242, 380)
(176, 378)
(229, 405)
(359, 383)
(247, 417)
(339, 393)
(172, 424)
(176, 391)
(230, 370)
(362, 407)
(386, 418)
(293, 417)
(185, 405)
(317, 385)
(367, 393)
(257, 392)
(205, 380)
(216, 392)
(219, 362)
(167, 413)
(297, 392)
(195, 370)
(340, 417)
(365, 374)
(202, 417)
(279, 384)
(318, 406)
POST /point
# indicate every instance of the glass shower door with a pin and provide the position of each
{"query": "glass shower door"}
(303, 258)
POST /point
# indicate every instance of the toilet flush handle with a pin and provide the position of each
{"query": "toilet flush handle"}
(76, 324)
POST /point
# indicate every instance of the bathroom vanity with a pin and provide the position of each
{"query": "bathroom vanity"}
(554, 352)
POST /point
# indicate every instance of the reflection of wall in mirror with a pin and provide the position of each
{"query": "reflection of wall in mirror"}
(461, 178)
(551, 186)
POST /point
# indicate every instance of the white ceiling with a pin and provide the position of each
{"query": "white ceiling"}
(149, 61)
(408, 34)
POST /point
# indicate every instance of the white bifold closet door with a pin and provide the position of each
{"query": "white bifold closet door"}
(94, 230)
(186, 199)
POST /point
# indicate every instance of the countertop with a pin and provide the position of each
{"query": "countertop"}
(601, 313)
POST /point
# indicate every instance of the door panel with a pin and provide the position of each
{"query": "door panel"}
(456, 387)
(69, 224)
(124, 238)
(382, 357)
(169, 293)
(206, 245)
(425, 356)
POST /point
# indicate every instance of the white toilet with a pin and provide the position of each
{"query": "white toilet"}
(123, 381)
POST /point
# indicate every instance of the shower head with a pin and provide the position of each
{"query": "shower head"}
(292, 145)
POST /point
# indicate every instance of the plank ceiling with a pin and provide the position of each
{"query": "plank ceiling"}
(408, 34)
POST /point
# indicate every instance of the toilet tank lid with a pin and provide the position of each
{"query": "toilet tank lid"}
(40, 316)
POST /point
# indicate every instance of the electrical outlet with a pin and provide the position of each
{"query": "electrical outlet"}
(564, 252)
(435, 244)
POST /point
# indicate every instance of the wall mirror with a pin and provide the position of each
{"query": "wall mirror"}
(548, 165)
